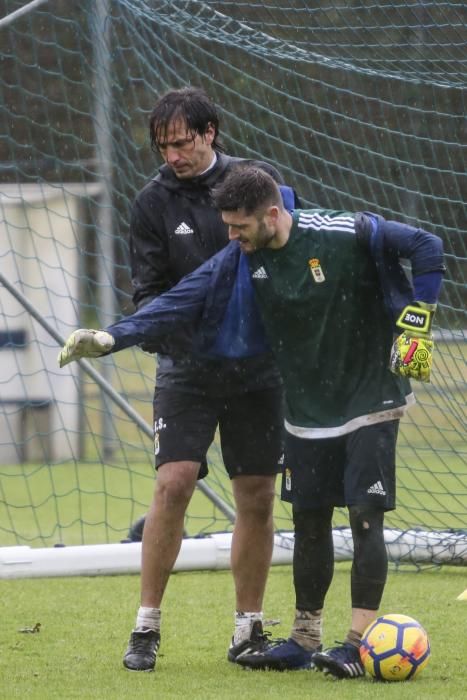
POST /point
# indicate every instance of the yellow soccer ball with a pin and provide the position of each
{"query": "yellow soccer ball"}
(394, 648)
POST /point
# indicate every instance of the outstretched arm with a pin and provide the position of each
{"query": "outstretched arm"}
(174, 315)
(189, 315)
(195, 307)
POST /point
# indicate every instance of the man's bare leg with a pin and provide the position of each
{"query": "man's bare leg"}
(163, 528)
(252, 545)
(253, 539)
(162, 538)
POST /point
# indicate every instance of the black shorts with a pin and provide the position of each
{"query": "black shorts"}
(354, 469)
(250, 429)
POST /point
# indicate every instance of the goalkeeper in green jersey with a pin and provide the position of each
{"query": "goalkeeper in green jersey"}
(322, 301)
(348, 331)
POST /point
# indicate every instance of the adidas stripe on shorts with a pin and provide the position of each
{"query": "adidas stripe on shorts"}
(354, 469)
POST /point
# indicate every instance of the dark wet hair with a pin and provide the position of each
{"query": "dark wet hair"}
(247, 187)
(191, 105)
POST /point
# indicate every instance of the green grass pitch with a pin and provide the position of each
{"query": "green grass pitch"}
(85, 623)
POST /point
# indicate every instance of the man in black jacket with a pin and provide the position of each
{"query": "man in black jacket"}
(174, 229)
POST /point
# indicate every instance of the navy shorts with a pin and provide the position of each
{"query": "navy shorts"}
(354, 469)
(250, 430)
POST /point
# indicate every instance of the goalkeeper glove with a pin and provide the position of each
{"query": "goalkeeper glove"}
(85, 342)
(411, 353)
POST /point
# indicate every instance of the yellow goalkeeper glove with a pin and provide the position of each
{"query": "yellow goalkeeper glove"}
(85, 342)
(412, 351)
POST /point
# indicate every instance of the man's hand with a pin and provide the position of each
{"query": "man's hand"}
(412, 351)
(85, 342)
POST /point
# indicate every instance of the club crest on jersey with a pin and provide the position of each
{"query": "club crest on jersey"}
(316, 270)
(288, 479)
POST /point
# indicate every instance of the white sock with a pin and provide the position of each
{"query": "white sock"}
(243, 624)
(148, 618)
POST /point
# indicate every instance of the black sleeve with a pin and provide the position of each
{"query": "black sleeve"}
(148, 253)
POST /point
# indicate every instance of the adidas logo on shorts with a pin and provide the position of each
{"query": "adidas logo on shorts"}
(377, 488)
(183, 229)
(260, 274)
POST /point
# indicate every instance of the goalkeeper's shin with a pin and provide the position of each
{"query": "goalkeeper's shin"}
(412, 351)
(85, 342)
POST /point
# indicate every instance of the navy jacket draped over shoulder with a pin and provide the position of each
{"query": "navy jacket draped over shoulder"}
(215, 305)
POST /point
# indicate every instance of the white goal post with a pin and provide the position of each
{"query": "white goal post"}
(213, 552)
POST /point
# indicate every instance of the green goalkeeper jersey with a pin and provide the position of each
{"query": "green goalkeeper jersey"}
(323, 312)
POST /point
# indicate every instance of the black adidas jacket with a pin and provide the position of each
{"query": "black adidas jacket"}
(174, 229)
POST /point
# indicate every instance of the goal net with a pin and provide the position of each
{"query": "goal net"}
(360, 105)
